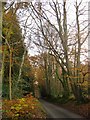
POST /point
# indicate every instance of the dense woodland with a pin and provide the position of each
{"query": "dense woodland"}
(58, 68)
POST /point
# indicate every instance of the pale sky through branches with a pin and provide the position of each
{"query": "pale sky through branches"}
(70, 20)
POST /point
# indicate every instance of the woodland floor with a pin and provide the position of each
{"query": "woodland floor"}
(30, 107)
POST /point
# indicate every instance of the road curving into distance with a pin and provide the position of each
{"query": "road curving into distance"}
(54, 111)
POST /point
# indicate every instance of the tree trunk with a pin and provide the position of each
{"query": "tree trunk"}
(78, 93)
(79, 44)
(65, 87)
(64, 82)
(10, 76)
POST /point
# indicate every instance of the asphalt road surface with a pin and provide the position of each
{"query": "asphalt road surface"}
(54, 111)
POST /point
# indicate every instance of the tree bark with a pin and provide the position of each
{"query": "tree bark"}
(10, 76)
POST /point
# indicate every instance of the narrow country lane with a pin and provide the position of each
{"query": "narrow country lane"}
(54, 111)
